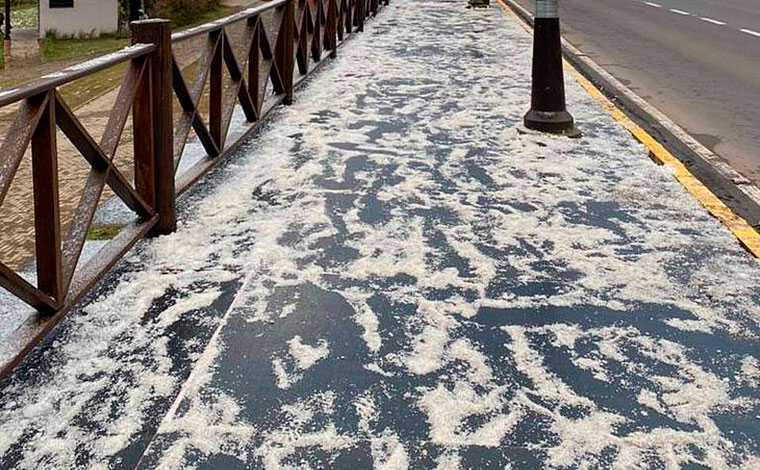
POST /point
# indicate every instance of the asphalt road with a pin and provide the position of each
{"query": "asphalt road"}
(698, 61)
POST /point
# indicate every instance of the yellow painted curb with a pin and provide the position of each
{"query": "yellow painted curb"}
(747, 235)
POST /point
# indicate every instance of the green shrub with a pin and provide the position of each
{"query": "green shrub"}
(181, 12)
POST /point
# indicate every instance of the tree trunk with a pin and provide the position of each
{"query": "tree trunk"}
(134, 9)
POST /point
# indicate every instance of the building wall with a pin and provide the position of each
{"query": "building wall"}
(86, 18)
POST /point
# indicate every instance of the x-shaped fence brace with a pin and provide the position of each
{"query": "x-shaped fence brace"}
(283, 41)
(37, 119)
(276, 40)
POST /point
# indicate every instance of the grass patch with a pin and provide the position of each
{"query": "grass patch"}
(103, 232)
(67, 49)
(205, 17)
(91, 86)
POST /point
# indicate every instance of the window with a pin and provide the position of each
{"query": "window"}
(61, 3)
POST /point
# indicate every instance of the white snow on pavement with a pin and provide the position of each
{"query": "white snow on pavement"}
(575, 262)
(306, 355)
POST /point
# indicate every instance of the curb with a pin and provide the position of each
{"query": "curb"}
(725, 193)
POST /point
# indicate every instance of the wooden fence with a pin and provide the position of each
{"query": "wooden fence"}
(283, 41)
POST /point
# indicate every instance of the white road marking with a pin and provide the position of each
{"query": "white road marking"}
(710, 20)
(706, 19)
(749, 31)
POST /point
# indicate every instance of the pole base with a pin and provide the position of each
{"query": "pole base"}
(478, 3)
(553, 122)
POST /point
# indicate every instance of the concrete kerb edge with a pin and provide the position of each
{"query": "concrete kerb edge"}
(747, 235)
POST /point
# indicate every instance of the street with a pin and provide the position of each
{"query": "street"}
(698, 61)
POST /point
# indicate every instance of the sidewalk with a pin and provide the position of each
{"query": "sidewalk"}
(395, 275)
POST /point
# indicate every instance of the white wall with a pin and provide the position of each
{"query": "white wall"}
(87, 18)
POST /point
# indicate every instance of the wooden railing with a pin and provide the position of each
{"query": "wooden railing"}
(41, 111)
(283, 41)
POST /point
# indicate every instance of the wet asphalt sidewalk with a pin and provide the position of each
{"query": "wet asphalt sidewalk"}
(395, 275)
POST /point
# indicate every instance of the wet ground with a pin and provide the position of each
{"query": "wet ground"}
(395, 275)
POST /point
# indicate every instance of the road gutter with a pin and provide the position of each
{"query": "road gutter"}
(724, 192)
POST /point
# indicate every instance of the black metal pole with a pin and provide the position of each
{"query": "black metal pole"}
(547, 108)
(7, 20)
(134, 10)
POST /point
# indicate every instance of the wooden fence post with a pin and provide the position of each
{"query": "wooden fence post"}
(216, 90)
(332, 27)
(361, 14)
(47, 217)
(158, 33)
(286, 54)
